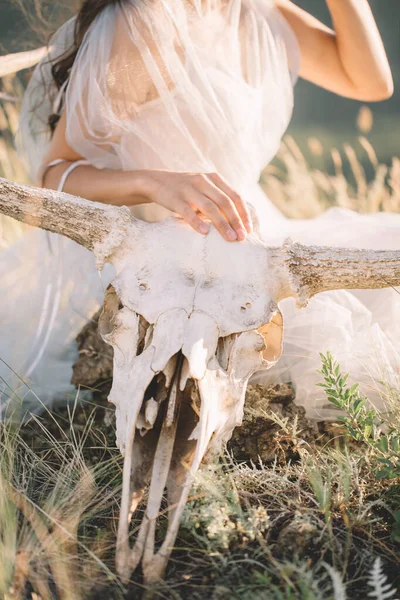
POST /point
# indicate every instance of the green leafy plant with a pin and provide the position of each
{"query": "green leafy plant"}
(361, 422)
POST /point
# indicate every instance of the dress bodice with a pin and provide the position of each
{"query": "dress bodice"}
(220, 101)
(237, 125)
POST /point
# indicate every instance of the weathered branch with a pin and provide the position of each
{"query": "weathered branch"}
(12, 63)
(315, 269)
(86, 222)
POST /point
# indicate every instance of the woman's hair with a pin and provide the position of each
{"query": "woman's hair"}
(88, 11)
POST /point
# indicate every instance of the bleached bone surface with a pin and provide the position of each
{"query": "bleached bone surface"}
(190, 318)
(175, 267)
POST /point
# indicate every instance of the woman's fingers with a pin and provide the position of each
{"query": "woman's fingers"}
(190, 216)
(227, 207)
(210, 194)
(230, 228)
(212, 212)
(237, 200)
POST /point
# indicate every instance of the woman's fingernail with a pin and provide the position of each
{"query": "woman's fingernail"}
(204, 228)
(231, 235)
(241, 234)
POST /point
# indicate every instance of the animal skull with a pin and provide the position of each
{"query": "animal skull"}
(190, 318)
(188, 307)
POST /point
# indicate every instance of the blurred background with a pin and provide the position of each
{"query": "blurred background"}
(321, 120)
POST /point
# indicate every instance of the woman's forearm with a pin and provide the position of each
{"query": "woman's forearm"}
(101, 185)
(360, 45)
(198, 198)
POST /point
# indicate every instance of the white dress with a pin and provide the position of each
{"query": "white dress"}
(182, 86)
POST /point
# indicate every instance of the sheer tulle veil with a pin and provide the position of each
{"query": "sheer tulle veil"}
(140, 53)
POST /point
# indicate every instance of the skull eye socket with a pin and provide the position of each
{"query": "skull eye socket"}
(145, 335)
(272, 333)
(111, 305)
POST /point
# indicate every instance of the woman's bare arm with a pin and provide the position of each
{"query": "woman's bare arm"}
(101, 185)
(196, 197)
(349, 60)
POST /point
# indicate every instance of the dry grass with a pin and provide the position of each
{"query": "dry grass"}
(301, 192)
(282, 529)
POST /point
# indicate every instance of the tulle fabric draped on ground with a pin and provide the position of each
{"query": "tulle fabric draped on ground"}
(51, 289)
(181, 85)
(361, 328)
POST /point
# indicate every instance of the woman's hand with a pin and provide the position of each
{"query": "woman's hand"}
(197, 198)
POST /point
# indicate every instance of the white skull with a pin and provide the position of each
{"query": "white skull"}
(194, 308)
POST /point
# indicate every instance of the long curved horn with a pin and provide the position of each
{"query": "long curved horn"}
(12, 63)
(304, 271)
(89, 223)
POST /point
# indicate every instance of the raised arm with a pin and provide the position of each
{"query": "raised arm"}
(350, 59)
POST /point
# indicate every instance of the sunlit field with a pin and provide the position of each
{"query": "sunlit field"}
(292, 510)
